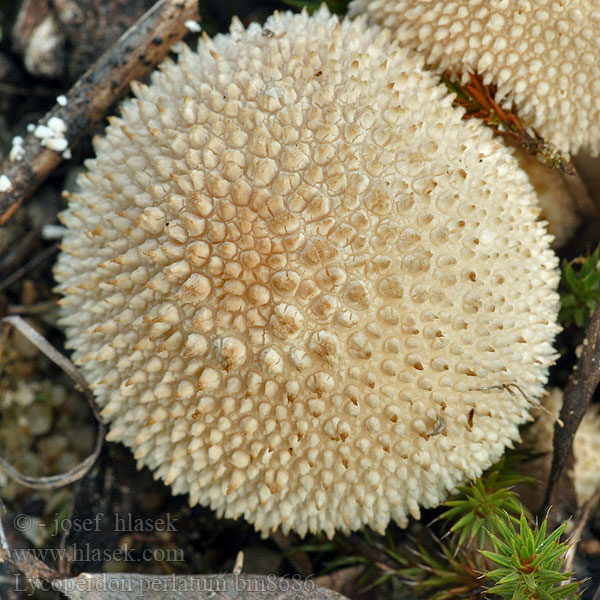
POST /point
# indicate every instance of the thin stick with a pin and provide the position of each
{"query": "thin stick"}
(31, 309)
(138, 51)
(34, 262)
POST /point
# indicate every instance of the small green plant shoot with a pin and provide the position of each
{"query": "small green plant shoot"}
(579, 289)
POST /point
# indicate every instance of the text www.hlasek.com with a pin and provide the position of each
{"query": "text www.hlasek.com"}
(86, 553)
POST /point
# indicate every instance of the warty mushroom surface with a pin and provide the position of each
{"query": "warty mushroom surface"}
(299, 283)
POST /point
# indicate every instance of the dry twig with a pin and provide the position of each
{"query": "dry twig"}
(32, 264)
(577, 396)
(137, 52)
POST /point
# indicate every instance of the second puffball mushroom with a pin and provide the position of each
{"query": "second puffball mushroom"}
(544, 55)
(298, 282)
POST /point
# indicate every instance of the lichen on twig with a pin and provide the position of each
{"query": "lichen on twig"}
(136, 53)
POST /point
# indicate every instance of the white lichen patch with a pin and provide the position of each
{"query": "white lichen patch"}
(5, 184)
(297, 280)
(17, 151)
(193, 26)
(52, 135)
(543, 55)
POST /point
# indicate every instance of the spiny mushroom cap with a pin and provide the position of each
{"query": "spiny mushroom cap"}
(586, 444)
(544, 55)
(290, 270)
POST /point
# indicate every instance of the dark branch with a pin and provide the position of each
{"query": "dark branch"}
(137, 52)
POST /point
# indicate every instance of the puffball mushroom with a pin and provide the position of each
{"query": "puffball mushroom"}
(544, 55)
(298, 282)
